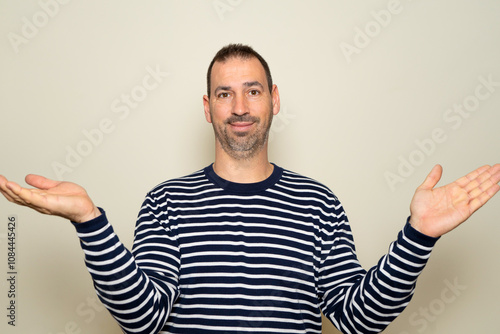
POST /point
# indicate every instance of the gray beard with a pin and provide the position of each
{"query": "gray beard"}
(242, 146)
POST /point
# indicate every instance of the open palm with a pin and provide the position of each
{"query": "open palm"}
(435, 212)
(64, 199)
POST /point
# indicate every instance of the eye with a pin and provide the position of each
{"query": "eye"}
(223, 95)
(254, 92)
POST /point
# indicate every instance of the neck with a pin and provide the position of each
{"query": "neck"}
(251, 170)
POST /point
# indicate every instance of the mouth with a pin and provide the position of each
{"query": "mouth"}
(241, 126)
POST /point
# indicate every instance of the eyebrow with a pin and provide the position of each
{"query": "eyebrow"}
(245, 84)
(253, 83)
(222, 88)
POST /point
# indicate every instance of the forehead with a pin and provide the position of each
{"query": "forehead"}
(235, 70)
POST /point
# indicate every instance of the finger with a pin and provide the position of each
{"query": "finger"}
(10, 190)
(3, 183)
(31, 198)
(27, 197)
(483, 197)
(489, 179)
(40, 182)
(14, 190)
(6, 192)
(484, 179)
(432, 178)
(486, 189)
(495, 171)
(468, 179)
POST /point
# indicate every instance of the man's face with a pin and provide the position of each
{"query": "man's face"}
(240, 106)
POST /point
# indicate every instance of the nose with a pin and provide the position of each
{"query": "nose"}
(240, 106)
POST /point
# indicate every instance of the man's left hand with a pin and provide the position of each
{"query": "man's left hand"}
(435, 212)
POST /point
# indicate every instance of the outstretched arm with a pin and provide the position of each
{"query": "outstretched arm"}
(366, 302)
(64, 199)
(139, 298)
(436, 211)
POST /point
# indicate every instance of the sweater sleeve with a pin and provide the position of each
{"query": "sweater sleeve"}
(138, 295)
(359, 301)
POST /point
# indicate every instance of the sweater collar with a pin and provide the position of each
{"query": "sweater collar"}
(244, 188)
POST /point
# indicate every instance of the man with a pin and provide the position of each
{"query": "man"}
(244, 245)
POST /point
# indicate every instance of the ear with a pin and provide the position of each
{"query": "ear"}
(275, 95)
(206, 106)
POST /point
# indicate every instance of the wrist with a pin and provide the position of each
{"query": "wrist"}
(91, 215)
(417, 236)
(420, 226)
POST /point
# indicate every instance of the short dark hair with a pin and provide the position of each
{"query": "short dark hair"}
(238, 51)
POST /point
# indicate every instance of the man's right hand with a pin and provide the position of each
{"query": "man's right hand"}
(63, 199)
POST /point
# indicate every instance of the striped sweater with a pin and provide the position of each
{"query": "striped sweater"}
(212, 256)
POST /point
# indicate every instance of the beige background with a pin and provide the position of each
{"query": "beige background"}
(349, 119)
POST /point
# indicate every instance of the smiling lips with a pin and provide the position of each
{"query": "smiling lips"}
(242, 123)
(241, 126)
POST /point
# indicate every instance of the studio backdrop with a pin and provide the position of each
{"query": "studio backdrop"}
(373, 95)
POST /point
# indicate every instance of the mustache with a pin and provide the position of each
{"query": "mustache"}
(242, 118)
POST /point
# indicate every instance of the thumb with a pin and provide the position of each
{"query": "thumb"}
(40, 182)
(433, 178)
